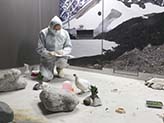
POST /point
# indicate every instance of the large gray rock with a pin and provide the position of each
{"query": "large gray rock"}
(11, 80)
(58, 100)
(6, 113)
(155, 83)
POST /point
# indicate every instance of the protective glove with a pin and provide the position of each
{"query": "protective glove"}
(60, 52)
(52, 53)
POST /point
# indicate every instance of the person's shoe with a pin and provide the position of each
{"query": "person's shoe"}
(60, 72)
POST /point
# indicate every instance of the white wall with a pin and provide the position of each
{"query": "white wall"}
(91, 20)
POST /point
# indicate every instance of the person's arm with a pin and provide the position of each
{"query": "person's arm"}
(67, 45)
(41, 50)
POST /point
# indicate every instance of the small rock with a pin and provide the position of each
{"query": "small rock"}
(161, 116)
(89, 101)
(120, 111)
(97, 66)
(37, 86)
(6, 113)
(11, 80)
(41, 86)
(114, 90)
(106, 109)
(58, 100)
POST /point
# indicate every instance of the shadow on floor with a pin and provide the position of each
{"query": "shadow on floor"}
(50, 114)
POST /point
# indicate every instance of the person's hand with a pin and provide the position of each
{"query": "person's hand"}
(60, 52)
(52, 53)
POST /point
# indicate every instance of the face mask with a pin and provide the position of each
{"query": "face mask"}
(56, 32)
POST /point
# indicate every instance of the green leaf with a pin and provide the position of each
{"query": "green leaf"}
(93, 90)
(40, 77)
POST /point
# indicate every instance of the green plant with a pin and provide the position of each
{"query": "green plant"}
(40, 77)
(94, 91)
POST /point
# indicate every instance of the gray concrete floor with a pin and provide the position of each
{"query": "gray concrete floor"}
(131, 94)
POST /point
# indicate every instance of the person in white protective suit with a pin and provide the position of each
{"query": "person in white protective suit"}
(54, 46)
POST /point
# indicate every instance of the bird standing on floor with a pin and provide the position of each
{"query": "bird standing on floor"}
(81, 84)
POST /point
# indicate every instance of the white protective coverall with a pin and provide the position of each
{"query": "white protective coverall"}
(53, 40)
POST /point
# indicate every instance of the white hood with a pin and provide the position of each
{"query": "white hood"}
(55, 20)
